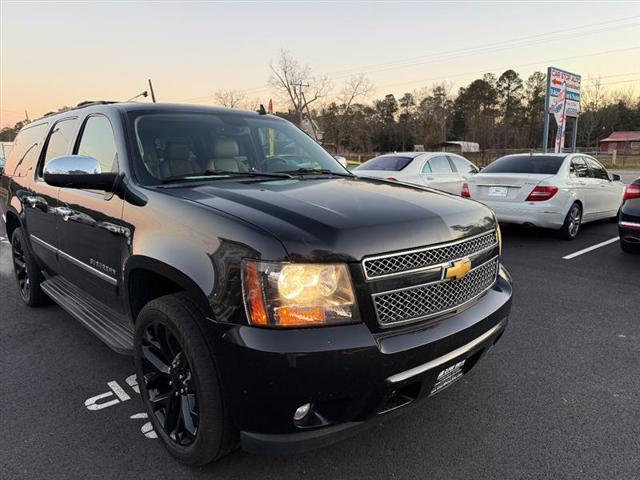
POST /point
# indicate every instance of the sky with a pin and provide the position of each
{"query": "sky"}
(60, 53)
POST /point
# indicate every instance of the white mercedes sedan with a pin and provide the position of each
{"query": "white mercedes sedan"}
(558, 191)
(440, 170)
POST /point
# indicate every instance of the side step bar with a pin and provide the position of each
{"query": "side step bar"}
(106, 324)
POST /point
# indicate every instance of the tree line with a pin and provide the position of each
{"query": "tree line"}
(504, 112)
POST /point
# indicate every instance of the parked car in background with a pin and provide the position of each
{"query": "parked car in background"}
(5, 147)
(440, 170)
(558, 191)
(629, 219)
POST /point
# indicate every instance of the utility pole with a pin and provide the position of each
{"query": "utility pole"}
(301, 99)
(313, 126)
(153, 95)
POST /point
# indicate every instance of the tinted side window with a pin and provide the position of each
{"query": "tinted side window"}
(440, 165)
(426, 168)
(579, 168)
(25, 149)
(597, 170)
(97, 141)
(59, 141)
(462, 165)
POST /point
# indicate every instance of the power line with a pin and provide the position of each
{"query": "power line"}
(442, 59)
(491, 70)
(489, 45)
(459, 53)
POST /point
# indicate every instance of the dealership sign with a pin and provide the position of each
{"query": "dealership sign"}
(563, 84)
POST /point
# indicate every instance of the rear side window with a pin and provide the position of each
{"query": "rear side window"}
(59, 141)
(97, 141)
(462, 165)
(544, 164)
(579, 168)
(391, 163)
(25, 149)
(597, 170)
(440, 165)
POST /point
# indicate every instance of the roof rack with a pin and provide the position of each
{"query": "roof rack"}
(86, 103)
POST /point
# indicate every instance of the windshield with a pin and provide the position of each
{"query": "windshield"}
(526, 164)
(195, 145)
(391, 163)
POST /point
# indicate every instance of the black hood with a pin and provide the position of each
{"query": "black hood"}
(343, 218)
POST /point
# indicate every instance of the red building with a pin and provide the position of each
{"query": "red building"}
(625, 143)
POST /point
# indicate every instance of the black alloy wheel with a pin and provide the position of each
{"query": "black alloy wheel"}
(20, 267)
(170, 385)
(179, 380)
(27, 272)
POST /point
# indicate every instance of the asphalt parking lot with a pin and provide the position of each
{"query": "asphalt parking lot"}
(559, 396)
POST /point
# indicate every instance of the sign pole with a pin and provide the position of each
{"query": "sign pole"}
(545, 137)
(575, 135)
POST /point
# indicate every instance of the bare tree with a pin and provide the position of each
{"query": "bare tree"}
(230, 98)
(297, 83)
(358, 86)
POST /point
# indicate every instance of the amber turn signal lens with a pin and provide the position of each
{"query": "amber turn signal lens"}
(255, 301)
(299, 317)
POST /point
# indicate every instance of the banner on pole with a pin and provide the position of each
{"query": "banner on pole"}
(558, 108)
(272, 132)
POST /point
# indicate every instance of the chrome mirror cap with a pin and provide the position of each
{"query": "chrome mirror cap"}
(72, 165)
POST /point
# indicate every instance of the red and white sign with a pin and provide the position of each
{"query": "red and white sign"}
(557, 81)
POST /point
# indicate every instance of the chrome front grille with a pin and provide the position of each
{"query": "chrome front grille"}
(414, 260)
(431, 299)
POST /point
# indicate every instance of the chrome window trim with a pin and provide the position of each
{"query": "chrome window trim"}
(460, 307)
(436, 362)
(425, 249)
(75, 261)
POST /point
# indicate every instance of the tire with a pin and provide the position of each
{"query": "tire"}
(185, 404)
(572, 223)
(627, 248)
(27, 272)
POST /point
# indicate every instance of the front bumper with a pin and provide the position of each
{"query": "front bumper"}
(541, 214)
(352, 377)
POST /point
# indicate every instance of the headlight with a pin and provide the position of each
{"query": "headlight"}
(298, 294)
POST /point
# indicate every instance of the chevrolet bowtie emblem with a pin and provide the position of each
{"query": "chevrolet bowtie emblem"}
(458, 270)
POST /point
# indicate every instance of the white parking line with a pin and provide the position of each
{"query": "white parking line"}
(588, 249)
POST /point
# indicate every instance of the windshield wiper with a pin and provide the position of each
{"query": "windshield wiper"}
(315, 171)
(215, 174)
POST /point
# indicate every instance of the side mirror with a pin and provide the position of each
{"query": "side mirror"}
(341, 160)
(615, 177)
(77, 171)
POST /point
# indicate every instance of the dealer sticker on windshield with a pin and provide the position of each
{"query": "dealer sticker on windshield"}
(448, 377)
(498, 191)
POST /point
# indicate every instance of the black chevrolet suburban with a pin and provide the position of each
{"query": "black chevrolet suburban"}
(269, 298)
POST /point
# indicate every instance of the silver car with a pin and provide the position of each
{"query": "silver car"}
(558, 191)
(440, 170)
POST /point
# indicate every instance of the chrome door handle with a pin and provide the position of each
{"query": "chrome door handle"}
(64, 212)
(31, 200)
